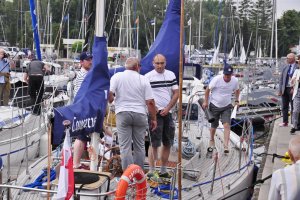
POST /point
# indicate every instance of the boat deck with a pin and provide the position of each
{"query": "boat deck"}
(228, 179)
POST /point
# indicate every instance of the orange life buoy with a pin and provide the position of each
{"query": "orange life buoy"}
(133, 171)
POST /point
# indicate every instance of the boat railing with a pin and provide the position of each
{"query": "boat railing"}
(186, 122)
(15, 97)
(54, 191)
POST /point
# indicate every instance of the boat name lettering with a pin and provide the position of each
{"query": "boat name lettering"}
(84, 123)
(134, 172)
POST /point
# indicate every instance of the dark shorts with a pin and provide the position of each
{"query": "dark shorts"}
(224, 113)
(84, 138)
(165, 131)
(87, 138)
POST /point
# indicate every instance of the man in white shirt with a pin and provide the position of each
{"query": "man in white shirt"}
(132, 95)
(220, 90)
(165, 90)
(285, 183)
(81, 140)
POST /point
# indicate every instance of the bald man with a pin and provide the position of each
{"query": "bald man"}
(132, 95)
(285, 182)
(285, 87)
(165, 90)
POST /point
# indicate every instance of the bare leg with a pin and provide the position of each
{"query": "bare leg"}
(226, 134)
(152, 156)
(212, 136)
(164, 157)
(78, 150)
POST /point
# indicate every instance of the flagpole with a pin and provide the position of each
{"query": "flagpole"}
(180, 97)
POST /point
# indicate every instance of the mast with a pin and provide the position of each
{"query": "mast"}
(180, 97)
(276, 41)
(99, 32)
(200, 17)
(272, 35)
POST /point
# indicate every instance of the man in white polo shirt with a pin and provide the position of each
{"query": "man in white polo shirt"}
(132, 95)
(220, 90)
(165, 90)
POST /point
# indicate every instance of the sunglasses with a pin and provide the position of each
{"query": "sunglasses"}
(160, 63)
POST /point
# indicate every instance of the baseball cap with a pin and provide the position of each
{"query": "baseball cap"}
(85, 55)
(227, 70)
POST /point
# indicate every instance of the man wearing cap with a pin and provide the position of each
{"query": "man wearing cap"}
(80, 142)
(220, 90)
(86, 63)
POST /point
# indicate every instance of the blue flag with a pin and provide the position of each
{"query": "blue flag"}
(166, 42)
(87, 112)
(35, 29)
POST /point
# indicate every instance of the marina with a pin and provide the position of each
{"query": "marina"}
(194, 73)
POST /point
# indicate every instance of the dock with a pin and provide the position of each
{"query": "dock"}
(278, 143)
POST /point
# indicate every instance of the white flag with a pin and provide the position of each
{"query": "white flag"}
(66, 174)
(190, 22)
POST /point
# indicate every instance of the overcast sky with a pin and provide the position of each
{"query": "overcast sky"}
(283, 5)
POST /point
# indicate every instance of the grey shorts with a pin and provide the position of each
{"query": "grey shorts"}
(224, 113)
(165, 131)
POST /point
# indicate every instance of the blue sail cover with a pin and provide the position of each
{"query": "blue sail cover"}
(167, 41)
(87, 112)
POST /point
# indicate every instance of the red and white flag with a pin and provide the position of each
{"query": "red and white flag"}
(66, 174)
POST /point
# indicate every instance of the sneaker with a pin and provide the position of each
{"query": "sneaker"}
(165, 175)
(293, 130)
(82, 166)
(152, 174)
(284, 124)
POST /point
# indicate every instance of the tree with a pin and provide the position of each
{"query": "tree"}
(288, 31)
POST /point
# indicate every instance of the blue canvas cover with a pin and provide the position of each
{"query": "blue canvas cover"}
(166, 42)
(87, 112)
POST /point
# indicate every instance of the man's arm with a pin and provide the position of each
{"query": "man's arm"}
(111, 97)
(206, 95)
(280, 83)
(171, 104)
(26, 77)
(237, 97)
(152, 111)
(274, 194)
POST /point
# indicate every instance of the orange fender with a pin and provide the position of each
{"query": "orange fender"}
(136, 172)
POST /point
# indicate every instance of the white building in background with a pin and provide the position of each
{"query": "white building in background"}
(68, 47)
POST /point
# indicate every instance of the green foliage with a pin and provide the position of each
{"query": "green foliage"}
(77, 47)
(288, 31)
(243, 19)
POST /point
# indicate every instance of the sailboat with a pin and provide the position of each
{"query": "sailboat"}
(208, 178)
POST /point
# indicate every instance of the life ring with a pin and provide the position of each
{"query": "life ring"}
(133, 171)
